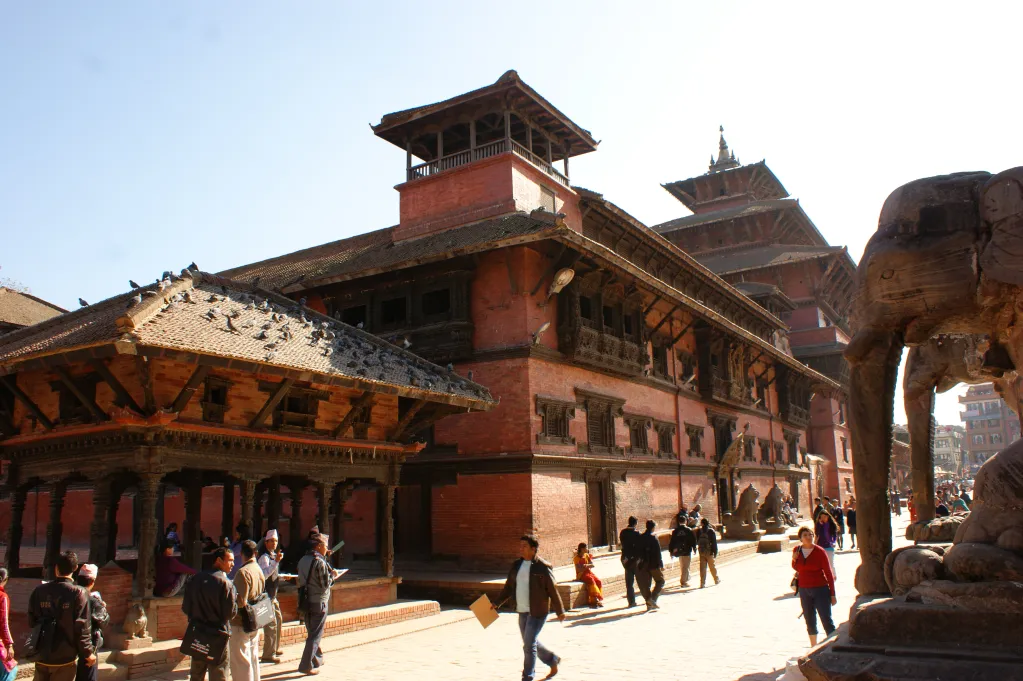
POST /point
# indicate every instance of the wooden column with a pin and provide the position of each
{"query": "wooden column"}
(550, 153)
(14, 532)
(440, 147)
(507, 130)
(99, 532)
(273, 503)
(161, 521)
(149, 494)
(566, 161)
(58, 491)
(529, 137)
(472, 134)
(227, 511)
(408, 159)
(387, 532)
(295, 522)
(191, 547)
(248, 492)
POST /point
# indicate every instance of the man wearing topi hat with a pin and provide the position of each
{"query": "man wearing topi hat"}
(315, 577)
(269, 562)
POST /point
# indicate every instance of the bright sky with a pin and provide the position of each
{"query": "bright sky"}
(137, 137)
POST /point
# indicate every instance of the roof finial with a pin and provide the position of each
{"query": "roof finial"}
(725, 160)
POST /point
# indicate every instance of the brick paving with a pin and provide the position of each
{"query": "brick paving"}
(744, 629)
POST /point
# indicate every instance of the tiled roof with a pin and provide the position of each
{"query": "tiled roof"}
(191, 315)
(733, 213)
(22, 309)
(373, 252)
(762, 256)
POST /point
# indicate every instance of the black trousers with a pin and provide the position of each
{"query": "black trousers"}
(315, 621)
(630, 580)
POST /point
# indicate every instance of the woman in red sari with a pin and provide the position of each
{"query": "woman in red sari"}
(584, 573)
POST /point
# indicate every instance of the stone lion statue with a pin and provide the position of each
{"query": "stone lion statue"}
(746, 509)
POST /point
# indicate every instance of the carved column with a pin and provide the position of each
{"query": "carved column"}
(149, 494)
(227, 511)
(273, 503)
(58, 491)
(295, 522)
(248, 493)
(14, 532)
(99, 532)
(191, 546)
(387, 531)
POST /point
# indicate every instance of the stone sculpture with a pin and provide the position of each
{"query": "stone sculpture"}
(742, 524)
(136, 624)
(769, 517)
(941, 263)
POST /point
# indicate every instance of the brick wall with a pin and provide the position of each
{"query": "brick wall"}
(648, 497)
(114, 584)
(481, 518)
(559, 512)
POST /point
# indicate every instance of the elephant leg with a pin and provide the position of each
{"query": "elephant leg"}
(873, 375)
(918, 386)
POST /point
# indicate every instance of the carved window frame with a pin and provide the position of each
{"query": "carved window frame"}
(695, 434)
(608, 408)
(845, 449)
(779, 452)
(553, 412)
(639, 438)
(748, 448)
(361, 422)
(302, 420)
(659, 353)
(665, 438)
(791, 447)
(212, 410)
(765, 450)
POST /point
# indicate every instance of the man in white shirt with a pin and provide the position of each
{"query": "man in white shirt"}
(269, 562)
(531, 584)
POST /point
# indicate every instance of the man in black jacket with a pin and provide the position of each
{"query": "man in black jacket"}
(210, 600)
(63, 609)
(682, 545)
(531, 587)
(707, 545)
(650, 566)
(628, 539)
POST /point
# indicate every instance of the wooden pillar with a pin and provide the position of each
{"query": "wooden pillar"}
(440, 146)
(161, 521)
(323, 506)
(295, 522)
(99, 532)
(472, 134)
(550, 153)
(14, 532)
(273, 503)
(149, 495)
(529, 137)
(58, 491)
(566, 162)
(191, 546)
(507, 130)
(227, 511)
(248, 493)
(408, 159)
(387, 532)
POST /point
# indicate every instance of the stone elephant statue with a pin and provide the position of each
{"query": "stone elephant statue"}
(947, 259)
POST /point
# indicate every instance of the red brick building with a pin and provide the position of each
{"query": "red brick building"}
(631, 377)
(990, 426)
(746, 229)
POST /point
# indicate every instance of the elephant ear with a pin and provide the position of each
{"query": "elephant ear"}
(1002, 210)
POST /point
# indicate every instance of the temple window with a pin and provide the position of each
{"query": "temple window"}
(298, 409)
(353, 316)
(638, 442)
(71, 408)
(394, 312)
(660, 361)
(554, 417)
(695, 434)
(747, 446)
(547, 199)
(665, 438)
(214, 399)
(845, 450)
(436, 303)
(765, 451)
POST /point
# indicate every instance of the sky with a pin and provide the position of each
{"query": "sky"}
(139, 137)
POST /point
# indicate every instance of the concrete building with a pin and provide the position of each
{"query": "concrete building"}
(990, 425)
(948, 452)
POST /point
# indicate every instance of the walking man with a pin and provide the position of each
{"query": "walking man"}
(211, 602)
(629, 541)
(314, 579)
(650, 566)
(707, 545)
(681, 546)
(248, 584)
(64, 608)
(269, 563)
(530, 585)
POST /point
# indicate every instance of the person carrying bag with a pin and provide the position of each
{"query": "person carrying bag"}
(210, 602)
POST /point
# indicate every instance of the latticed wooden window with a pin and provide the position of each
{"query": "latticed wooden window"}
(554, 417)
(660, 361)
(214, 399)
(360, 424)
(597, 419)
(765, 451)
(695, 434)
(665, 438)
(747, 446)
(639, 442)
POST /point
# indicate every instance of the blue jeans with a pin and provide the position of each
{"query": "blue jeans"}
(315, 620)
(530, 627)
(816, 601)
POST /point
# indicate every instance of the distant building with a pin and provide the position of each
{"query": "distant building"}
(18, 309)
(948, 451)
(990, 425)
(901, 461)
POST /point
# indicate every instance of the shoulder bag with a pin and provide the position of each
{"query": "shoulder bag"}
(258, 613)
(303, 591)
(205, 643)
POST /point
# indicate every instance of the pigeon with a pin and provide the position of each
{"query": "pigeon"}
(270, 356)
(193, 267)
(212, 313)
(230, 325)
(271, 346)
(406, 343)
(82, 302)
(166, 274)
(359, 325)
(261, 335)
(186, 274)
(302, 302)
(135, 300)
(153, 294)
(131, 282)
(187, 297)
(451, 367)
(326, 351)
(470, 374)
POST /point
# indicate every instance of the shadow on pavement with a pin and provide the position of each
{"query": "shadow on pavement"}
(593, 619)
(786, 596)
(763, 676)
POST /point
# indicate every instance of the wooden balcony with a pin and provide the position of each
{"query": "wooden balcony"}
(461, 158)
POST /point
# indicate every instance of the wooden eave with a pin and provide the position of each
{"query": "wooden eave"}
(400, 126)
(686, 262)
(83, 355)
(683, 189)
(656, 286)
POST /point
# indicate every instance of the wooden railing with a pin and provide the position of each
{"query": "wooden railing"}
(461, 158)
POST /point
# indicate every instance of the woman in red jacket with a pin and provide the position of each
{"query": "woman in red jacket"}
(816, 584)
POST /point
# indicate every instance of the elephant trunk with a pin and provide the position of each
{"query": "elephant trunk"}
(919, 385)
(873, 374)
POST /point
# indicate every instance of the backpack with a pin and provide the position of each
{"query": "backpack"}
(704, 543)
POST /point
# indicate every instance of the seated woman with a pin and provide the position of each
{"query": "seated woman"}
(171, 573)
(584, 573)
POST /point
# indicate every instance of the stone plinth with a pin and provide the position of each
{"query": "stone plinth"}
(773, 544)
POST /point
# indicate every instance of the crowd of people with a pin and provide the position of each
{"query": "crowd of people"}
(949, 498)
